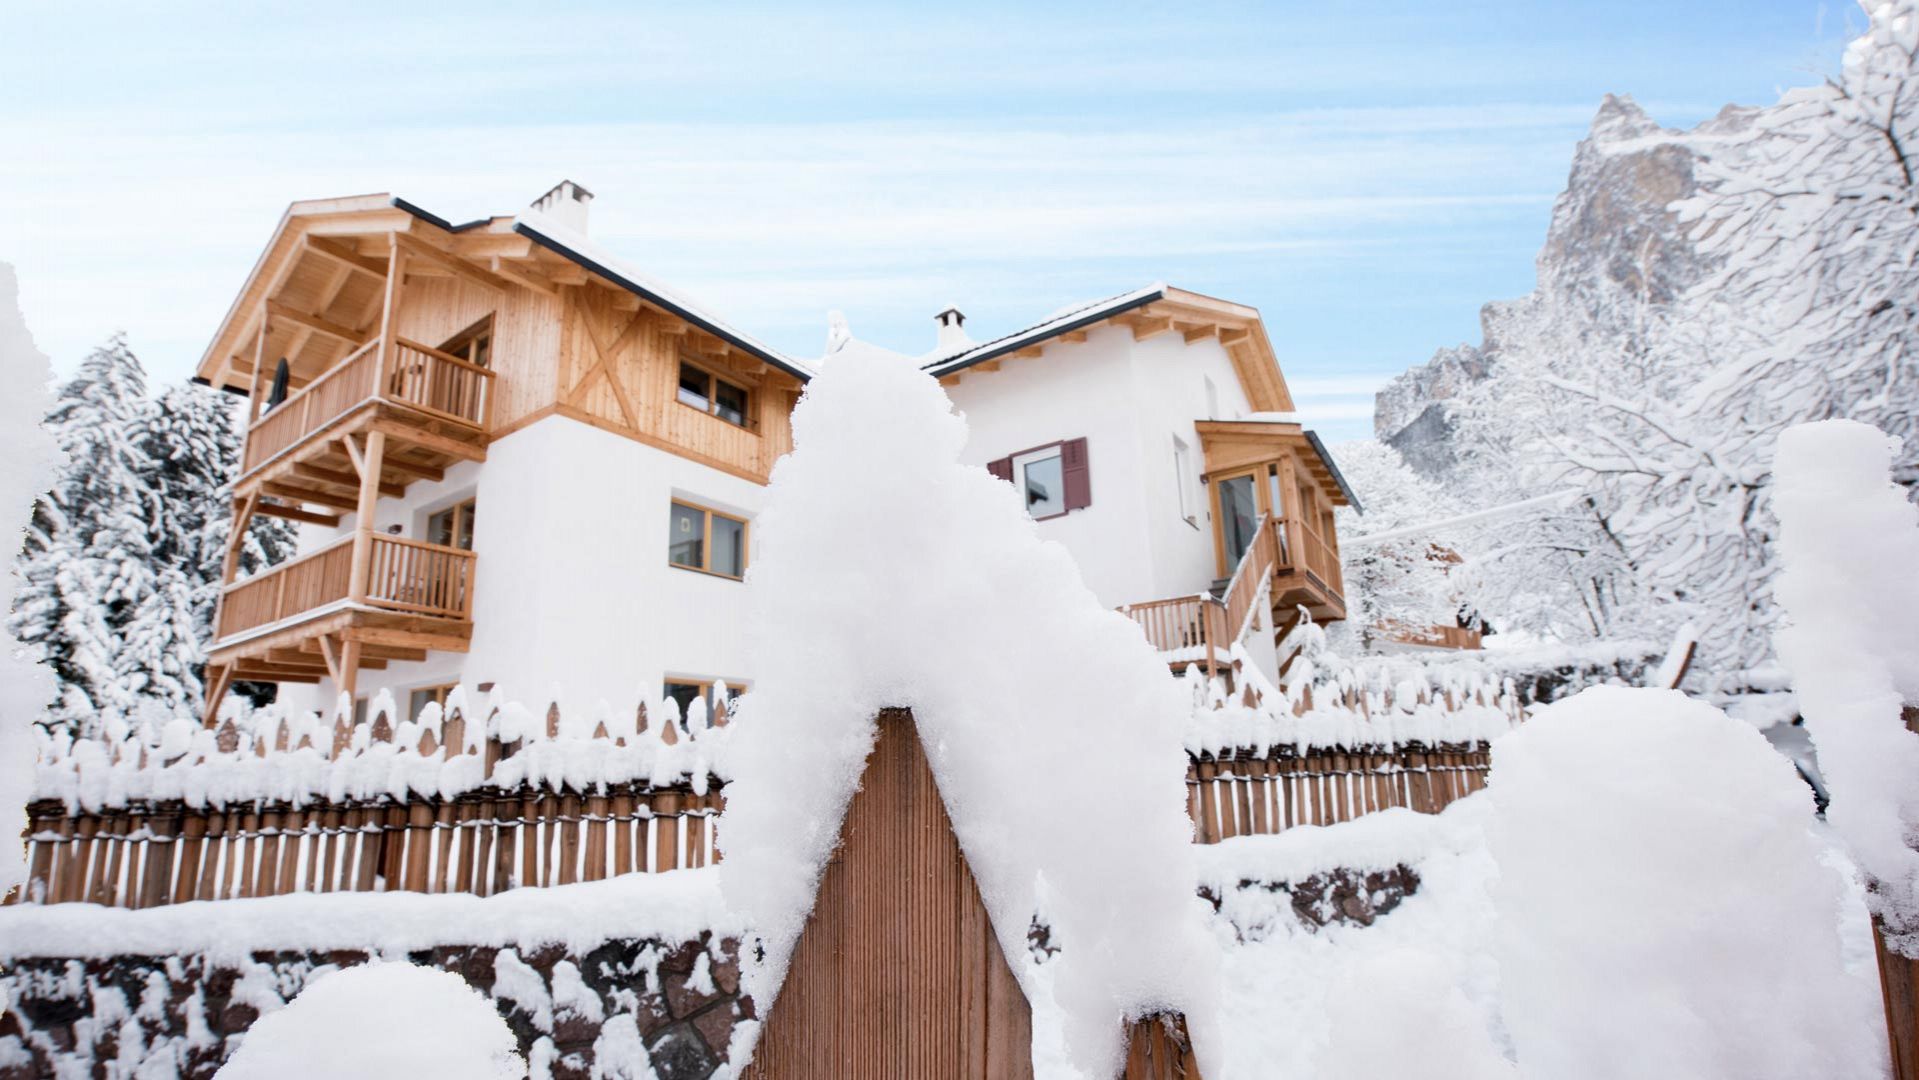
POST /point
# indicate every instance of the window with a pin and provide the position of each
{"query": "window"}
(1238, 515)
(1183, 480)
(1043, 479)
(707, 540)
(1277, 503)
(687, 691)
(1054, 478)
(425, 694)
(452, 527)
(474, 344)
(707, 392)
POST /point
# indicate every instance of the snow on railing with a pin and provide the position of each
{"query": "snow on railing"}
(275, 755)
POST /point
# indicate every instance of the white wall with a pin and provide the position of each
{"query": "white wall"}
(1128, 400)
(573, 596)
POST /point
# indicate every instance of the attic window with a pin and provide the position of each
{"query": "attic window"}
(707, 392)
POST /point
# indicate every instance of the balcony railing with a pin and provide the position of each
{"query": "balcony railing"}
(416, 376)
(1202, 628)
(402, 576)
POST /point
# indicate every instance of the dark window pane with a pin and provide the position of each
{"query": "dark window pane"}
(693, 387)
(483, 350)
(686, 542)
(1238, 514)
(729, 403)
(685, 693)
(1045, 487)
(439, 528)
(463, 537)
(729, 546)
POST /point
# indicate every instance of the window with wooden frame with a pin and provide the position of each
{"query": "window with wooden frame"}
(420, 698)
(452, 527)
(686, 691)
(715, 395)
(473, 344)
(704, 539)
(1054, 479)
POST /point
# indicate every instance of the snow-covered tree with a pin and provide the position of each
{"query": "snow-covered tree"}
(1399, 584)
(1659, 409)
(120, 572)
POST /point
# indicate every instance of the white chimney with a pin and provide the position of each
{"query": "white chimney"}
(565, 203)
(952, 329)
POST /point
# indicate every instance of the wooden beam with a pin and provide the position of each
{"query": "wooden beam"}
(418, 472)
(988, 365)
(349, 668)
(1147, 326)
(1028, 352)
(332, 657)
(294, 513)
(522, 277)
(1234, 336)
(277, 310)
(219, 679)
(1073, 337)
(274, 673)
(242, 516)
(364, 513)
(354, 455)
(381, 635)
(312, 495)
(415, 436)
(342, 253)
(450, 263)
(307, 471)
(1197, 332)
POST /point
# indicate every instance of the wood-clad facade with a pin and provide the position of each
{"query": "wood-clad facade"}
(378, 348)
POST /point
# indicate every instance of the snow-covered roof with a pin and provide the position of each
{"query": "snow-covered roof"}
(577, 249)
(1066, 320)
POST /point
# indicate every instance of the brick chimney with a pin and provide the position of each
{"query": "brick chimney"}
(565, 204)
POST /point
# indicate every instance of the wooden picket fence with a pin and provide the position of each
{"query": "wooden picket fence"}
(483, 843)
(1249, 793)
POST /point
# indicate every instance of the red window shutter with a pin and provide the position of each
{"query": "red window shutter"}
(1077, 479)
(1003, 468)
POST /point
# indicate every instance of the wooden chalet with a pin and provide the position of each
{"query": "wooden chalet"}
(379, 346)
(1271, 486)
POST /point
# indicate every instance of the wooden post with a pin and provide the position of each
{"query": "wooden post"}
(364, 513)
(596, 806)
(666, 832)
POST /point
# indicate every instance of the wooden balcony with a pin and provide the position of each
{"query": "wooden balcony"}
(434, 408)
(292, 622)
(1288, 561)
(1437, 637)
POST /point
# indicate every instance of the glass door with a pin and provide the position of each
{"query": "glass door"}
(1238, 497)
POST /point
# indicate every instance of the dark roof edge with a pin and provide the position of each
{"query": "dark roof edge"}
(432, 218)
(657, 300)
(1013, 342)
(1333, 467)
(198, 380)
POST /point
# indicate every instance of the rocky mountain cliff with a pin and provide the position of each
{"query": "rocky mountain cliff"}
(1612, 237)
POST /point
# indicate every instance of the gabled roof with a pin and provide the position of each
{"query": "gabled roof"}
(315, 237)
(1065, 321)
(594, 259)
(1155, 309)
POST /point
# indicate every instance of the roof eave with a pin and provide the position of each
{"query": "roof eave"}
(1333, 467)
(1017, 342)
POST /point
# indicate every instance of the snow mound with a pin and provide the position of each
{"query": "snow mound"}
(898, 577)
(26, 472)
(1849, 543)
(1662, 906)
(380, 1022)
(1400, 1013)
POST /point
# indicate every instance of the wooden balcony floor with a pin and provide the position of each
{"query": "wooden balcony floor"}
(292, 650)
(317, 470)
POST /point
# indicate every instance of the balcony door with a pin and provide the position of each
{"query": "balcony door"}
(1237, 515)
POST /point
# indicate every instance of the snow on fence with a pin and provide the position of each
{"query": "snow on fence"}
(1282, 788)
(271, 804)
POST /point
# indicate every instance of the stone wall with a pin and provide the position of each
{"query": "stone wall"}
(570, 1011)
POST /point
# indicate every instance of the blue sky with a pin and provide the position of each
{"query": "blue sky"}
(1366, 175)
